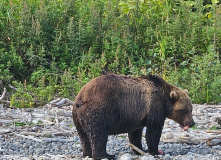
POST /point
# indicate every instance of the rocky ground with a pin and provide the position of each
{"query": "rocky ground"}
(49, 133)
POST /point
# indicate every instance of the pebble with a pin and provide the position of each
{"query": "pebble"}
(148, 157)
(16, 148)
(167, 157)
(126, 156)
(35, 121)
(199, 110)
(171, 122)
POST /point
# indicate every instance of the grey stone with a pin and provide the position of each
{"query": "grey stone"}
(167, 157)
(148, 157)
(126, 156)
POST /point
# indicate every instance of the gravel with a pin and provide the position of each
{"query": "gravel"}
(14, 146)
(29, 147)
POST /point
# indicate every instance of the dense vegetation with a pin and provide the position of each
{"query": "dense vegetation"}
(51, 48)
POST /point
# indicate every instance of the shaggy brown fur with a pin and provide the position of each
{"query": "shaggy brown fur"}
(113, 104)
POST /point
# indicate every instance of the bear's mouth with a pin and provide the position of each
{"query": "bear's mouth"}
(185, 128)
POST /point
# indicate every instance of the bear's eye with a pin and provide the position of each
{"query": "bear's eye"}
(183, 111)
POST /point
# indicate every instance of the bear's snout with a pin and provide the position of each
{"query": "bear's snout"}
(186, 127)
(188, 124)
(192, 124)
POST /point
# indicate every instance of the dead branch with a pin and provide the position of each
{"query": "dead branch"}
(3, 94)
(48, 140)
(62, 134)
(65, 101)
(30, 134)
(46, 121)
(203, 122)
(47, 134)
(137, 149)
(36, 134)
(6, 121)
(179, 141)
(5, 131)
(12, 87)
(203, 114)
(213, 141)
(214, 131)
(29, 137)
(204, 107)
(57, 156)
(55, 101)
(65, 113)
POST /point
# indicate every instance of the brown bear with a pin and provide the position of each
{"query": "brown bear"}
(113, 104)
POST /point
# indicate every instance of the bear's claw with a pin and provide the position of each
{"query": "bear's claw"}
(160, 152)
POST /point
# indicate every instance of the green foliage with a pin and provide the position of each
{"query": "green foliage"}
(20, 124)
(203, 75)
(214, 128)
(51, 48)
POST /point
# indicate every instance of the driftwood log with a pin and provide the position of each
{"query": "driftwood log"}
(214, 141)
(3, 94)
(47, 134)
(45, 139)
(208, 136)
(65, 101)
(28, 137)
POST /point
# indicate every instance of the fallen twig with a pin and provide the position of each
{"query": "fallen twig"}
(213, 131)
(48, 140)
(29, 137)
(136, 149)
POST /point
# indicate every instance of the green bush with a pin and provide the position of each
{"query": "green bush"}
(202, 78)
(55, 47)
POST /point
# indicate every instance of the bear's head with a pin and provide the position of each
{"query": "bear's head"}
(181, 111)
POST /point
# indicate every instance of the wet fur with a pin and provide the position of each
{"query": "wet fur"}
(113, 104)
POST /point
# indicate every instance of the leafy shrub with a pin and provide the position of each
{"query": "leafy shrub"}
(202, 78)
(52, 48)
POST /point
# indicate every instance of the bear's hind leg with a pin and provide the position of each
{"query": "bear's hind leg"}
(86, 147)
(135, 138)
(98, 146)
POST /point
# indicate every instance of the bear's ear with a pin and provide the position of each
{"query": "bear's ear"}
(174, 95)
(186, 91)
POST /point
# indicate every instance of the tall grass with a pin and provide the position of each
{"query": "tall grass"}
(56, 46)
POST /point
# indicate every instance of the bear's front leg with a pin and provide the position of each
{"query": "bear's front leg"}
(135, 138)
(153, 135)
